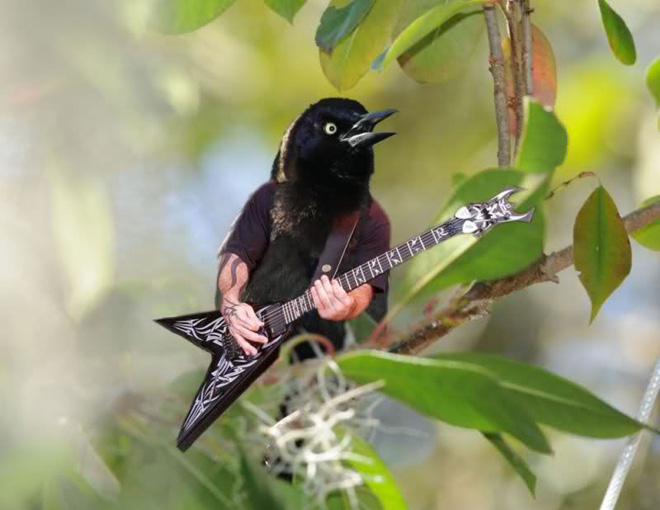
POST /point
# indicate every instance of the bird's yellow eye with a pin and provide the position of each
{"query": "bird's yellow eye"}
(330, 128)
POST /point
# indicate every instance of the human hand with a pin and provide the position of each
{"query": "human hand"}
(243, 324)
(333, 302)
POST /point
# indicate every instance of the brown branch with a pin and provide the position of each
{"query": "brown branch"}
(517, 73)
(496, 66)
(527, 45)
(475, 302)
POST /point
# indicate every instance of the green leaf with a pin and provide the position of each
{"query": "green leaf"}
(457, 393)
(180, 16)
(516, 461)
(337, 23)
(649, 236)
(259, 493)
(506, 249)
(619, 36)
(286, 8)
(544, 141)
(442, 55)
(349, 61)
(653, 80)
(376, 475)
(550, 399)
(601, 248)
(422, 27)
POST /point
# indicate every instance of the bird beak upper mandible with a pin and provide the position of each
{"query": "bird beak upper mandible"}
(360, 134)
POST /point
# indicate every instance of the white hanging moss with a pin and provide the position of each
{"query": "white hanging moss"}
(313, 442)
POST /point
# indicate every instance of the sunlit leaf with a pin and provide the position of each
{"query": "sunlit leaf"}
(544, 140)
(337, 22)
(649, 236)
(552, 400)
(544, 69)
(422, 27)
(601, 248)
(286, 8)
(376, 475)
(506, 249)
(619, 36)
(653, 81)
(180, 16)
(351, 58)
(515, 461)
(443, 54)
(458, 393)
(84, 234)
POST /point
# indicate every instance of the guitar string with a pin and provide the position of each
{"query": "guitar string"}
(277, 317)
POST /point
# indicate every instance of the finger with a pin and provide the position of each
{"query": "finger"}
(251, 335)
(252, 314)
(247, 321)
(335, 303)
(324, 311)
(341, 294)
(323, 295)
(248, 349)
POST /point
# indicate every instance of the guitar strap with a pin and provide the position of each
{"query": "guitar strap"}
(336, 245)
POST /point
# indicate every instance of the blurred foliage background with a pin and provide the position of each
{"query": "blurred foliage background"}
(125, 155)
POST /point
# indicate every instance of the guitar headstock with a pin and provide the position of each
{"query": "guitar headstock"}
(482, 216)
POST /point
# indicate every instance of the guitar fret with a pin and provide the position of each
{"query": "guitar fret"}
(350, 280)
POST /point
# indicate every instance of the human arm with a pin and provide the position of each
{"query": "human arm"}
(243, 322)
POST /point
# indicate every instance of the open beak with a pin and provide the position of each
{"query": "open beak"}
(360, 135)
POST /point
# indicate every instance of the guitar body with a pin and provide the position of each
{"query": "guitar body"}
(230, 373)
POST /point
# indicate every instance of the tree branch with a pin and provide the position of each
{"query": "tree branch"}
(527, 46)
(496, 67)
(517, 74)
(475, 302)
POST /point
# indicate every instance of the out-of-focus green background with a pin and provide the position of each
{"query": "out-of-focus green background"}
(124, 157)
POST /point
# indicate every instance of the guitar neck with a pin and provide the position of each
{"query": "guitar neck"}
(296, 308)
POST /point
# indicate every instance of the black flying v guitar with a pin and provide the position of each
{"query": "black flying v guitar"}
(231, 372)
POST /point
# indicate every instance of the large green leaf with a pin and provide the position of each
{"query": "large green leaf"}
(260, 494)
(424, 25)
(444, 53)
(180, 16)
(458, 393)
(649, 236)
(551, 399)
(601, 248)
(286, 8)
(349, 61)
(515, 461)
(545, 140)
(376, 476)
(336, 23)
(653, 79)
(506, 249)
(619, 36)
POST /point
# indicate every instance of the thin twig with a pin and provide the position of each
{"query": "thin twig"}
(496, 66)
(564, 184)
(476, 301)
(527, 46)
(517, 74)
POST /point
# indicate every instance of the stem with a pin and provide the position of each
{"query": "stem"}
(496, 67)
(527, 46)
(476, 301)
(516, 68)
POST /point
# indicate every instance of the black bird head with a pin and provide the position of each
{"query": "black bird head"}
(330, 144)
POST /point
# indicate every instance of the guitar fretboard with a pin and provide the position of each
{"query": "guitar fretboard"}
(292, 310)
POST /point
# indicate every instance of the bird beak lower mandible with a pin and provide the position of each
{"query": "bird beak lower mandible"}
(360, 134)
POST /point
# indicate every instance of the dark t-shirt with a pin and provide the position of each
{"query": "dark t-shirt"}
(250, 233)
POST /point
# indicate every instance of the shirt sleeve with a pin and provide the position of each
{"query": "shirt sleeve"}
(249, 234)
(374, 240)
